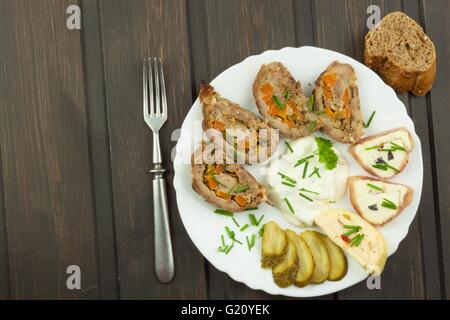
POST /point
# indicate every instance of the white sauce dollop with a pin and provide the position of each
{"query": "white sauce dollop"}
(331, 186)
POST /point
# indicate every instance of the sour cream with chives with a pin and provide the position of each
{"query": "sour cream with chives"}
(301, 186)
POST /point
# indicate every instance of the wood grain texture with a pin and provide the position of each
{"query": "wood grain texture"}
(99, 151)
(44, 152)
(75, 151)
(4, 257)
(146, 28)
(425, 215)
(304, 22)
(403, 277)
(437, 23)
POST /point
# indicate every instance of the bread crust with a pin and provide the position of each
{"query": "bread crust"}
(406, 200)
(419, 82)
(372, 170)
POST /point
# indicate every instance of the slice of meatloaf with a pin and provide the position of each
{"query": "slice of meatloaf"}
(227, 124)
(281, 102)
(336, 99)
(225, 185)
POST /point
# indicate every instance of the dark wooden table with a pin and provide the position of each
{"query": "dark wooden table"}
(75, 151)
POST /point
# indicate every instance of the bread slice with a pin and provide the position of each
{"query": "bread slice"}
(368, 197)
(370, 251)
(336, 99)
(281, 102)
(244, 135)
(400, 51)
(385, 154)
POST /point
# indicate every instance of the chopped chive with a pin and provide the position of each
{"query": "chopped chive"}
(259, 220)
(224, 212)
(312, 126)
(380, 166)
(278, 102)
(371, 148)
(223, 240)
(237, 188)
(261, 231)
(384, 166)
(352, 231)
(245, 227)
(231, 235)
(374, 187)
(251, 209)
(235, 222)
(229, 232)
(218, 181)
(229, 249)
(253, 219)
(285, 177)
(349, 226)
(310, 191)
(252, 242)
(311, 103)
(305, 169)
(241, 188)
(288, 184)
(398, 147)
(315, 172)
(302, 161)
(236, 240)
(388, 204)
(248, 243)
(289, 146)
(287, 96)
(232, 188)
(366, 125)
(289, 205)
(306, 197)
(356, 240)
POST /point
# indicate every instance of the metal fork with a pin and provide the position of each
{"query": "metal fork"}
(155, 115)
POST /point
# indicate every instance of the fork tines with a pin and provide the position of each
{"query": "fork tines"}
(155, 104)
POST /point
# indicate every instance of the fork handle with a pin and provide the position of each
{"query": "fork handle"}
(164, 265)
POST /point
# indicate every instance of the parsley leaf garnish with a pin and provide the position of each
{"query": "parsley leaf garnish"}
(327, 156)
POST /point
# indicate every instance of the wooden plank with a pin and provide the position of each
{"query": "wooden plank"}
(259, 27)
(304, 22)
(4, 259)
(426, 221)
(146, 28)
(99, 147)
(45, 156)
(403, 276)
(237, 29)
(437, 23)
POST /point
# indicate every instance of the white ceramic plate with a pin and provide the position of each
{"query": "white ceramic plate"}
(204, 227)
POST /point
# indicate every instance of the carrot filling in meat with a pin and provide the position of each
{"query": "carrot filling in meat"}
(231, 190)
(241, 200)
(223, 194)
(218, 125)
(329, 80)
(212, 183)
(283, 108)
